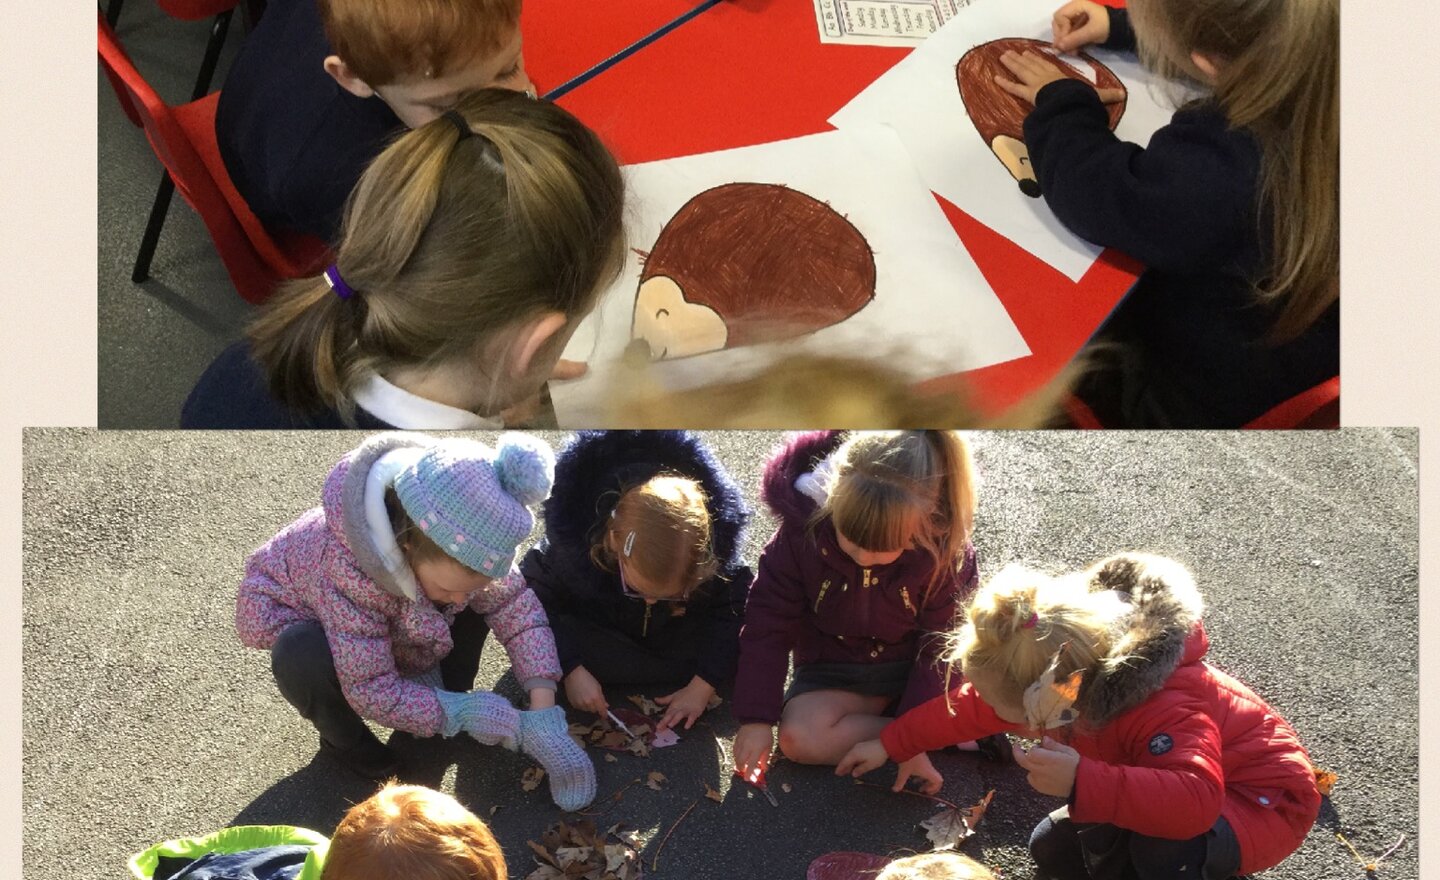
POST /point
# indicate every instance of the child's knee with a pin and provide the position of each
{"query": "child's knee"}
(797, 742)
(301, 650)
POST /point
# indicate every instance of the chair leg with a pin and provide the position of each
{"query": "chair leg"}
(152, 229)
(112, 12)
(218, 30)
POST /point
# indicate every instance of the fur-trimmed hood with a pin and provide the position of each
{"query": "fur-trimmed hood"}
(592, 470)
(1162, 631)
(799, 456)
(343, 500)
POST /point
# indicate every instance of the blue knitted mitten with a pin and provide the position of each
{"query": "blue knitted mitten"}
(545, 737)
(486, 716)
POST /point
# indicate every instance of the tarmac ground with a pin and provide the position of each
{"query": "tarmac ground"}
(145, 719)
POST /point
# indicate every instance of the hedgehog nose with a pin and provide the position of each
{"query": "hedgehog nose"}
(637, 352)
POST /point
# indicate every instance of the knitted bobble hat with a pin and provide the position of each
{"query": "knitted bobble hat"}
(473, 501)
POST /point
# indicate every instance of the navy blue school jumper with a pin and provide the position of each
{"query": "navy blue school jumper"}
(1192, 349)
(232, 394)
(294, 142)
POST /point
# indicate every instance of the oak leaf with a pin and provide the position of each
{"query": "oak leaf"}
(531, 779)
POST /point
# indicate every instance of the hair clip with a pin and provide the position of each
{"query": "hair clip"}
(1034, 619)
(629, 544)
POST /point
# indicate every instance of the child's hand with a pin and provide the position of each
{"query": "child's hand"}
(1034, 73)
(686, 704)
(753, 745)
(1051, 765)
(862, 758)
(920, 768)
(584, 692)
(1080, 23)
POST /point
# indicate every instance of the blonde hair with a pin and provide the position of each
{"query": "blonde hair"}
(1017, 623)
(412, 832)
(384, 40)
(670, 521)
(448, 244)
(897, 489)
(799, 391)
(935, 866)
(1278, 78)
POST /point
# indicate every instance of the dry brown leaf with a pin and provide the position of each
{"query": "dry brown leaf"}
(531, 779)
(645, 704)
(714, 795)
(949, 828)
(610, 758)
(545, 872)
(569, 855)
(655, 780)
(495, 809)
(1325, 781)
(785, 787)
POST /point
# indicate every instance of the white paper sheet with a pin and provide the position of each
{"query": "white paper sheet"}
(932, 312)
(919, 98)
(882, 22)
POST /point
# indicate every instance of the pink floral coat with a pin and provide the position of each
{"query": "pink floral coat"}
(324, 567)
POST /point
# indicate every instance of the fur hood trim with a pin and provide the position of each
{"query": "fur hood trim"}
(596, 464)
(344, 503)
(800, 455)
(1161, 632)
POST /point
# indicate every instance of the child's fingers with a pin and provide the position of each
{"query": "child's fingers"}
(1111, 96)
(1014, 88)
(569, 369)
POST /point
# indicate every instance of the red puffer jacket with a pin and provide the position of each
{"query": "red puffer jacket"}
(1167, 742)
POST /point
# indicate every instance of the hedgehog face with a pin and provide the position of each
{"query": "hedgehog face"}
(671, 326)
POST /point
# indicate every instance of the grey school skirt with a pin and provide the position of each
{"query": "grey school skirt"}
(866, 679)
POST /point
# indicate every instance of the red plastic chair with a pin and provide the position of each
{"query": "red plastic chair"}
(1317, 408)
(183, 138)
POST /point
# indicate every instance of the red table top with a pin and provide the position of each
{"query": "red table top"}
(753, 71)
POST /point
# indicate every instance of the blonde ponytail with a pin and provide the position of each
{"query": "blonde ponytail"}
(448, 242)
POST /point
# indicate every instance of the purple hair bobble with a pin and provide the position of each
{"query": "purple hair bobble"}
(337, 284)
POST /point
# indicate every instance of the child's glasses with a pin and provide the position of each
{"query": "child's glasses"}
(632, 593)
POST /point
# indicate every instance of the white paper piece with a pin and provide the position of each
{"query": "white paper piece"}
(920, 99)
(932, 312)
(882, 22)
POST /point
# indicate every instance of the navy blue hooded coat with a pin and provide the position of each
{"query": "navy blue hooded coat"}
(590, 475)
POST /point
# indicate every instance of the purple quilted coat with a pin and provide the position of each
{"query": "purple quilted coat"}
(324, 567)
(811, 599)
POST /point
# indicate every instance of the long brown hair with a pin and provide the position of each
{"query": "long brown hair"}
(894, 490)
(449, 244)
(1279, 78)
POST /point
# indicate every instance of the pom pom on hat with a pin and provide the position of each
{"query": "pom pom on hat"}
(473, 502)
(525, 468)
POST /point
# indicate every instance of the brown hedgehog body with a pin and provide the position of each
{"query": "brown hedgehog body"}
(773, 262)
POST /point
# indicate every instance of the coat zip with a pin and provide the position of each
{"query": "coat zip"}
(824, 586)
(645, 625)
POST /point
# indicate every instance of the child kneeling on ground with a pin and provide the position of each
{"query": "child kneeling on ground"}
(377, 603)
(1168, 765)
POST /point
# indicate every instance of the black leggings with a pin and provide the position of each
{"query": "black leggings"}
(305, 673)
(1066, 850)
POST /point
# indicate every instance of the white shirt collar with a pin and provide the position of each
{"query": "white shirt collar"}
(396, 406)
